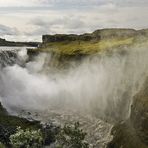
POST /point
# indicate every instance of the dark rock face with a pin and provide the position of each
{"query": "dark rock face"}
(58, 37)
(96, 35)
(65, 37)
(133, 133)
(112, 33)
(32, 53)
(2, 110)
(139, 114)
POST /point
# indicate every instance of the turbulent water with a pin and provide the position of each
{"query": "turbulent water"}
(97, 90)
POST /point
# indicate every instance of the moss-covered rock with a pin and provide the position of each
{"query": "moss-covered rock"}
(9, 124)
(90, 43)
(66, 48)
(85, 47)
(87, 43)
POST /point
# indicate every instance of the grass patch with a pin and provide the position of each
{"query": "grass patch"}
(85, 47)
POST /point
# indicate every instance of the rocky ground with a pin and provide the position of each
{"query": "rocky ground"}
(9, 123)
(98, 131)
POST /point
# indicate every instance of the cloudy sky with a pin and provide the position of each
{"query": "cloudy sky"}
(27, 20)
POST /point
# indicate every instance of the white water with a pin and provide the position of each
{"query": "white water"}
(101, 86)
(8, 48)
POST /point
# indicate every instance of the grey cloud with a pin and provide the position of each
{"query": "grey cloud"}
(130, 3)
(73, 22)
(44, 23)
(5, 30)
(90, 3)
(49, 26)
(68, 16)
(37, 3)
(73, 2)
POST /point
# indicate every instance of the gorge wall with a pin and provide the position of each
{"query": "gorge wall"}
(133, 133)
(106, 70)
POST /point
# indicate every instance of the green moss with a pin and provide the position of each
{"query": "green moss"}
(85, 47)
(91, 43)
(1, 145)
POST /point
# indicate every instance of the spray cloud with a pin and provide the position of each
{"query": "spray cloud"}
(102, 85)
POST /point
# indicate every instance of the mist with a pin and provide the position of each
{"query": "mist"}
(101, 85)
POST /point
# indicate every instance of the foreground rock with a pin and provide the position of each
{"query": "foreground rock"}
(133, 133)
(8, 125)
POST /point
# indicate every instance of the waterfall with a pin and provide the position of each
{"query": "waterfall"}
(102, 85)
(7, 58)
(12, 56)
(98, 87)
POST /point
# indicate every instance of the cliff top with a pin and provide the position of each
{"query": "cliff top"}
(89, 43)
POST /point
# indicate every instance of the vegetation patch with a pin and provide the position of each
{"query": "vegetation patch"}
(85, 47)
(26, 138)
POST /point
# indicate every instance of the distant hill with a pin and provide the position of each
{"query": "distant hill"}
(4, 42)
